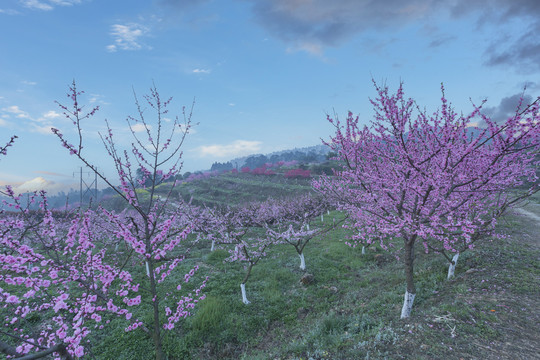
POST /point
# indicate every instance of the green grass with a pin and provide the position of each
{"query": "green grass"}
(351, 310)
(236, 189)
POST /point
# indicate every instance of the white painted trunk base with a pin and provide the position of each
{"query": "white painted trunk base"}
(244, 297)
(213, 243)
(452, 266)
(322, 218)
(308, 227)
(363, 250)
(407, 305)
(147, 269)
(302, 262)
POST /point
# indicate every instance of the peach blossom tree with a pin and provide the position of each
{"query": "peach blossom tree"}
(434, 180)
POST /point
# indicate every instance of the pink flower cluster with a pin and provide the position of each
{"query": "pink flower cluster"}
(435, 178)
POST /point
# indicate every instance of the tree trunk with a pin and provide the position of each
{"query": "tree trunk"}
(452, 266)
(410, 293)
(156, 333)
(243, 284)
(244, 297)
(302, 261)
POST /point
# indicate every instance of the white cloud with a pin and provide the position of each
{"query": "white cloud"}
(48, 4)
(15, 110)
(44, 129)
(236, 148)
(97, 98)
(25, 82)
(9, 11)
(50, 173)
(40, 183)
(201, 71)
(36, 5)
(309, 47)
(139, 127)
(51, 114)
(40, 125)
(127, 37)
(65, 2)
(3, 123)
(37, 183)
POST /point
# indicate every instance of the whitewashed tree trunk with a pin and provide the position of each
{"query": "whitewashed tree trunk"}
(407, 305)
(328, 212)
(452, 266)
(147, 269)
(213, 244)
(307, 227)
(302, 262)
(116, 247)
(244, 297)
(322, 218)
(363, 250)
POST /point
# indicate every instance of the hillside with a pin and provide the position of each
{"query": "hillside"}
(236, 189)
(311, 154)
(350, 309)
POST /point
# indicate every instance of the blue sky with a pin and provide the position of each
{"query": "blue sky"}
(264, 73)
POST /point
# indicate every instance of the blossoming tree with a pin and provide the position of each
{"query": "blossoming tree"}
(292, 223)
(56, 285)
(71, 272)
(152, 229)
(433, 179)
(3, 150)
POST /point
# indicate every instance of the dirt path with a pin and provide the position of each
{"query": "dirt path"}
(529, 215)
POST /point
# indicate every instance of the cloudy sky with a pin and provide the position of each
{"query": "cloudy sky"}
(263, 73)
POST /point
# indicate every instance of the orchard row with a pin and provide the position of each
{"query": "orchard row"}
(406, 180)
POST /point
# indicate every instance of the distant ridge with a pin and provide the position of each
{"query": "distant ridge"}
(318, 150)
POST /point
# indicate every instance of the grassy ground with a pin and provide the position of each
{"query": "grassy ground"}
(225, 190)
(234, 189)
(490, 310)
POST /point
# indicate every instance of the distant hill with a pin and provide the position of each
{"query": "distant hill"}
(230, 189)
(311, 154)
